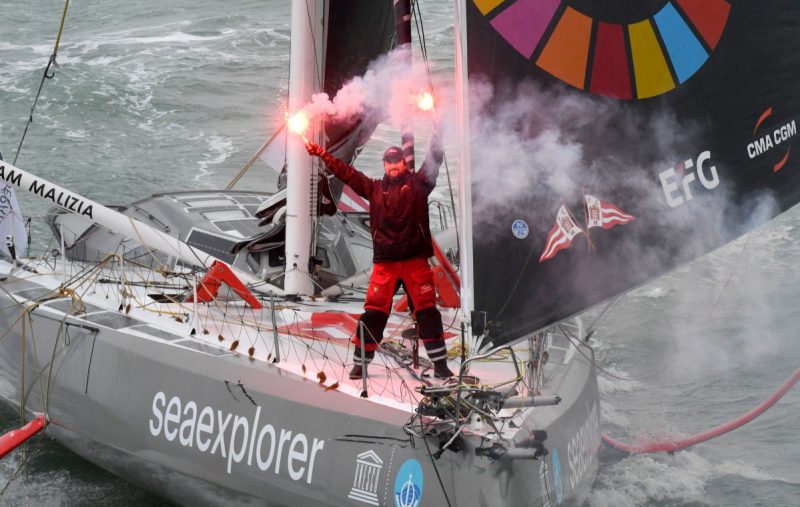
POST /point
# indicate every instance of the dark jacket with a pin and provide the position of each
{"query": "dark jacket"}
(398, 207)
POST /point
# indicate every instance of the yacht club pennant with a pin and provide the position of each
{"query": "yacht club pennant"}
(603, 214)
(561, 235)
(351, 202)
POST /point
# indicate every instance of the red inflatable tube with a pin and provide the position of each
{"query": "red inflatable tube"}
(14, 438)
(677, 445)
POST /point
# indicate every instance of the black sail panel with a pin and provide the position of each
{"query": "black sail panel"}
(357, 33)
(613, 141)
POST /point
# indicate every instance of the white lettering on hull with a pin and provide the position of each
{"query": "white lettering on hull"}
(582, 447)
(234, 437)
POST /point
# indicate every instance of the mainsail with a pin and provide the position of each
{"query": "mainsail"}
(673, 123)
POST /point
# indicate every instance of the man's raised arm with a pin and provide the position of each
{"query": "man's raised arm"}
(355, 179)
(433, 159)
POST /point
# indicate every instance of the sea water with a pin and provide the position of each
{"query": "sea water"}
(152, 96)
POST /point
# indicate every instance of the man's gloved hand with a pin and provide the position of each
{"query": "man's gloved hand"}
(314, 149)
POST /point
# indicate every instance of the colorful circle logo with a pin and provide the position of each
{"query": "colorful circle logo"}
(637, 60)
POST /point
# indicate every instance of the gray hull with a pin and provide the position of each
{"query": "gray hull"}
(210, 428)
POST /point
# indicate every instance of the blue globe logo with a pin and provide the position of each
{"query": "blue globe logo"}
(408, 484)
(409, 495)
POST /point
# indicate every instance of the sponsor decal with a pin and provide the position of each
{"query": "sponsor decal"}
(11, 177)
(367, 475)
(628, 57)
(426, 288)
(582, 447)
(767, 139)
(235, 438)
(45, 191)
(678, 182)
(5, 201)
(519, 229)
(408, 484)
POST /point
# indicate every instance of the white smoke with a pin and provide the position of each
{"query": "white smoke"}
(388, 91)
(548, 145)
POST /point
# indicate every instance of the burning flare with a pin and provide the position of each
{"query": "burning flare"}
(425, 101)
(298, 123)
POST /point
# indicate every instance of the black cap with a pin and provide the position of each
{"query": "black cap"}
(393, 155)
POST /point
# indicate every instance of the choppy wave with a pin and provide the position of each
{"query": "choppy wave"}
(667, 480)
(219, 150)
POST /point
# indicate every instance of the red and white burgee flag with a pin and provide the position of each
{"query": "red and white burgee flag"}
(561, 235)
(351, 202)
(603, 214)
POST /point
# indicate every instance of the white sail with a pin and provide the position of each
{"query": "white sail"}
(12, 227)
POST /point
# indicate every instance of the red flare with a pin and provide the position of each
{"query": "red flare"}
(298, 123)
(425, 101)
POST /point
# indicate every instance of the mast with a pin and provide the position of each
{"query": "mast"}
(464, 169)
(305, 79)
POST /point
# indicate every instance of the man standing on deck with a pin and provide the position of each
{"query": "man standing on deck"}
(401, 240)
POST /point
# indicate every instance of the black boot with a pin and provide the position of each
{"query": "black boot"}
(357, 372)
(429, 321)
(359, 365)
(440, 369)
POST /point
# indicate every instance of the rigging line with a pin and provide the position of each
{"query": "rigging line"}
(22, 373)
(26, 456)
(255, 157)
(424, 50)
(423, 46)
(592, 327)
(433, 462)
(45, 75)
(37, 367)
(733, 272)
(577, 344)
(317, 58)
(61, 328)
(516, 284)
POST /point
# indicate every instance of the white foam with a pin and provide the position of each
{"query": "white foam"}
(76, 134)
(39, 49)
(219, 149)
(682, 478)
(608, 384)
(127, 38)
(652, 292)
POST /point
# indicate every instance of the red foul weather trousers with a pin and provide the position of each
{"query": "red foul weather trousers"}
(417, 277)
